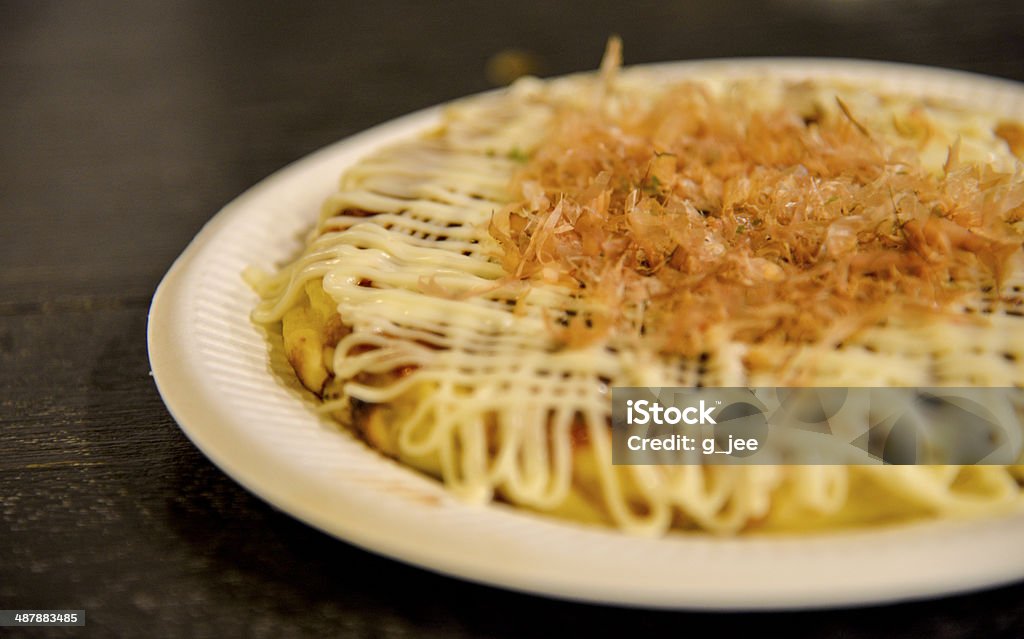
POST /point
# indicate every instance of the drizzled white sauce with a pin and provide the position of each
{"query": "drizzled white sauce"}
(490, 394)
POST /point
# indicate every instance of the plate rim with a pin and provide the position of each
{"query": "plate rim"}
(200, 417)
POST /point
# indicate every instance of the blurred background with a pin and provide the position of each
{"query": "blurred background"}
(124, 126)
(209, 97)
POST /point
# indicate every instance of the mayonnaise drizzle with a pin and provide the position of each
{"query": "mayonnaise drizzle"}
(492, 396)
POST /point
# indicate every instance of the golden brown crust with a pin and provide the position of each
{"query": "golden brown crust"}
(1013, 134)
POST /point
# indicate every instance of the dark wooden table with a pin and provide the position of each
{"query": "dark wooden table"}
(125, 126)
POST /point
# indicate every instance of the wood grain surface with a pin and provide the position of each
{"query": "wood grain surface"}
(124, 126)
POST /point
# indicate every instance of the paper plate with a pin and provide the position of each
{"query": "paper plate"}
(212, 368)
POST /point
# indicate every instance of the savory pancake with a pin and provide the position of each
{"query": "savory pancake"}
(469, 298)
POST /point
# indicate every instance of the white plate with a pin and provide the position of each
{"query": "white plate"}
(211, 366)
